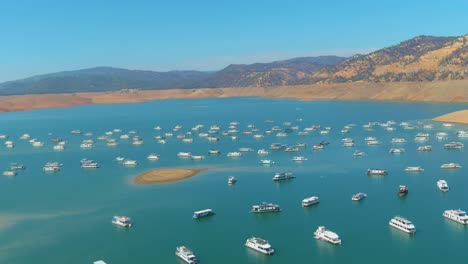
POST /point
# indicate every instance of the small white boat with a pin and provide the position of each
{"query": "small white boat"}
(86, 145)
(398, 140)
(214, 152)
(25, 136)
(396, 151)
(359, 153)
(317, 147)
(9, 173)
(58, 147)
(358, 196)
(184, 154)
(51, 169)
(281, 176)
(89, 164)
(137, 142)
(37, 144)
(234, 154)
(260, 245)
(262, 152)
(197, 157)
(450, 166)
(414, 169)
(442, 185)
(402, 224)
(327, 235)
(202, 213)
(232, 180)
(374, 143)
(310, 201)
(245, 149)
(425, 148)
(458, 216)
(129, 162)
(299, 158)
(267, 162)
(122, 221)
(153, 156)
(377, 172)
(186, 255)
(119, 159)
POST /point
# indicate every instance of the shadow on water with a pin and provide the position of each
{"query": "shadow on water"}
(283, 184)
(258, 257)
(454, 226)
(401, 236)
(312, 209)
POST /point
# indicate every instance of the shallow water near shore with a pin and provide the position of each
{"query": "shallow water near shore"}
(64, 217)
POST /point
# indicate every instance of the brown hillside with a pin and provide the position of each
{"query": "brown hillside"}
(422, 58)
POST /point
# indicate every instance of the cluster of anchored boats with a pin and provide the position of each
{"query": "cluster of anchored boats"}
(215, 134)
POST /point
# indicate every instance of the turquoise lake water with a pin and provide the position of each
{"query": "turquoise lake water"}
(65, 217)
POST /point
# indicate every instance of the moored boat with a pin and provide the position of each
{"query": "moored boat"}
(232, 180)
(310, 201)
(129, 162)
(153, 156)
(267, 162)
(265, 208)
(377, 172)
(260, 245)
(402, 190)
(442, 185)
(202, 213)
(122, 221)
(327, 235)
(298, 158)
(402, 224)
(234, 154)
(358, 196)
(414, 169)
(450, 166)
(280, 176)
(458, 216)
(186, 255)
(184, 154)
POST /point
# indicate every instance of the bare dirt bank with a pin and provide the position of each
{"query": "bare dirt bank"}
(460, 117)
(447, 91)
(166, 175)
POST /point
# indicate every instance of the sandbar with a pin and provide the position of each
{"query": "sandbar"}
(166, 175)
(459, 117)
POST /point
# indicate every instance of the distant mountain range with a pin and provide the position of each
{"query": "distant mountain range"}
(424, 58)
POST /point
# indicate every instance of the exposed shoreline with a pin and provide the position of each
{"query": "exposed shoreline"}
(167, 175)
(446, 91)
(459, 117)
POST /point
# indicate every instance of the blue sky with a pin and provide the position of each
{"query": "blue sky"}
(43, 36)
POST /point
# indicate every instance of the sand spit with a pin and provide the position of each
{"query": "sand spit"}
(446, 91)
(460, 117)
(166, 175)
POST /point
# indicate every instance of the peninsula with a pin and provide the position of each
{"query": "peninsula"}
(460, 117)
